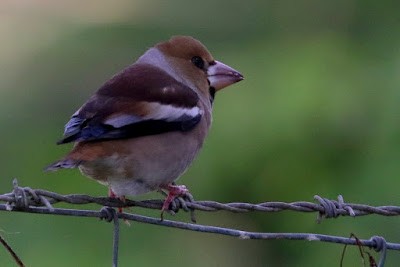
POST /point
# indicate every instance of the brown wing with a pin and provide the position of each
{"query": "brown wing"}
(140, 100)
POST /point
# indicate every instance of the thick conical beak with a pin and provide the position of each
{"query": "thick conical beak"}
(221, 75)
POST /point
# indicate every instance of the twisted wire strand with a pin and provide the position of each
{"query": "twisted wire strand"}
(25, 199)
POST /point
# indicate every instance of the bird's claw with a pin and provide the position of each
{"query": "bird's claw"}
(178, 196)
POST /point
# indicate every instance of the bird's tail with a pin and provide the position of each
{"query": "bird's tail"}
(62, 164)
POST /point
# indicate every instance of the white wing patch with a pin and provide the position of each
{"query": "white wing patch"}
(170, 112)
(157, 112)
(122, 120)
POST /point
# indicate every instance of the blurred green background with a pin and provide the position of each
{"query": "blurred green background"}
(318, 113)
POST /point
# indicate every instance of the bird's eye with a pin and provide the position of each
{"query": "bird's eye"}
(198, 62)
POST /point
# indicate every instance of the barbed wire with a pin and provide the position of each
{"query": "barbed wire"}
(26, 199)
(25, 196)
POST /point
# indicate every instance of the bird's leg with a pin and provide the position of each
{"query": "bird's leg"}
(173, 192)
(122, 198)
(113, 195)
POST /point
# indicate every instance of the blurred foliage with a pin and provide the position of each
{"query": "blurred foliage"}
(318, 113)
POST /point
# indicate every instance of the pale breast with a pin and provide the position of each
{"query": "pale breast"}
(139, 165)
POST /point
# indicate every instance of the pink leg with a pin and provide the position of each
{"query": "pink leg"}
(113, 195)
(173, 192)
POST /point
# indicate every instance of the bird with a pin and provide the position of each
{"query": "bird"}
(140, 131)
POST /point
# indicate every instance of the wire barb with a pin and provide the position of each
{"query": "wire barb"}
(22, 197)
(25, 199)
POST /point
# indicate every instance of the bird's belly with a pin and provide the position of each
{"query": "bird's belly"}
(144, 165)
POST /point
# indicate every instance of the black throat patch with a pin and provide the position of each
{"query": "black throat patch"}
(212, 94)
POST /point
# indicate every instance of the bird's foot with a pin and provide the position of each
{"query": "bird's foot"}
(175, 191)
(111, 194)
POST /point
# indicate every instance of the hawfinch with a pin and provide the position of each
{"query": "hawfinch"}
(142, 129)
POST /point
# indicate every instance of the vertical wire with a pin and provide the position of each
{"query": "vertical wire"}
(115, 239)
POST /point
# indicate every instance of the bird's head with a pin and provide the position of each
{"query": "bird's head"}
(190, 62)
